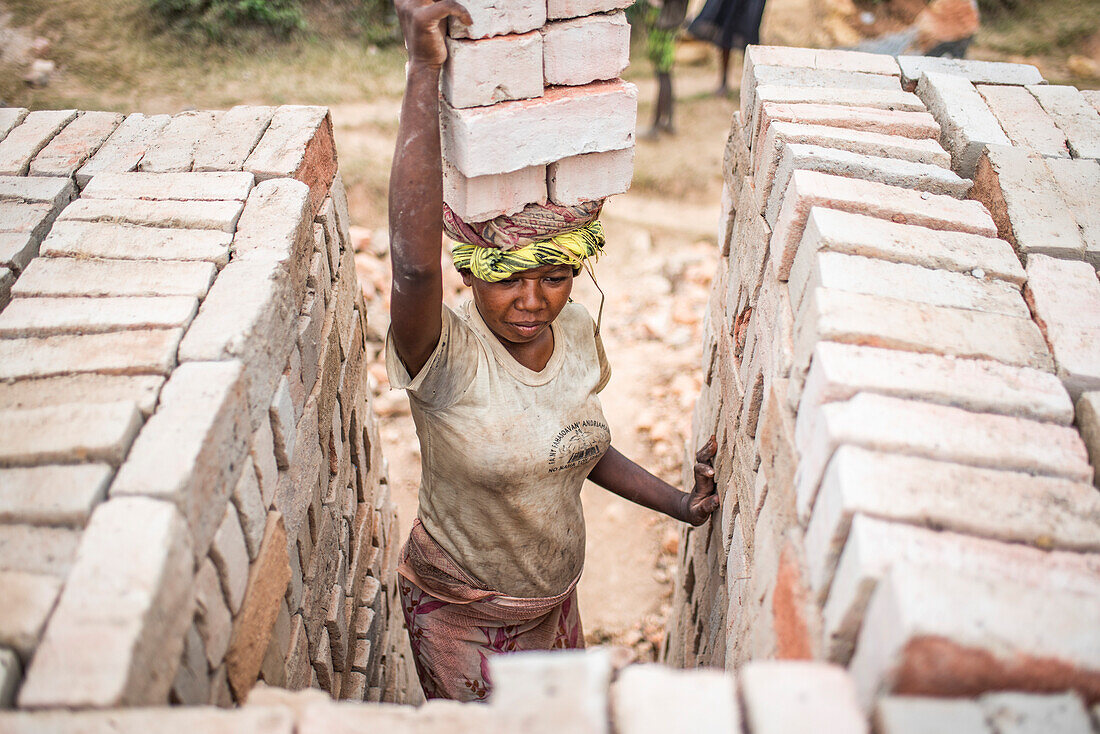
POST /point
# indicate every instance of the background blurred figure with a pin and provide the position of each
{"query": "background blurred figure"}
(728, 24)
(663, 19)
(943, 28)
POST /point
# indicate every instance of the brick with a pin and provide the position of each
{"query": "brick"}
(190, 451)
(250, 508)
(235, 135)
(784, 75)
(938, 432)
(294, 493)
(31, 598)
(38, 550)
(97, 432)
(808, 189)
(217, 215)
(482, 198)
(571, 686)
(966, 123)
(252, 629)
(336, 625)
(71, 147)
(17, 249)
(192, 683)
(874, 547)
(839, 371)
(1092, 95)
(167, 720)
(973, 71)
(830, 230)
(142, 389)
(1045, 512)
(1079, 183)
(57, 192)
(125, 148)
(173, 149)
(998, 642)
(119, 353)
(590, 177)
(913, 715)
(212, 615)
(1026, 203)
(7, 280)
(113, 647)
(558, 9)
(9, 118)
(1088, 421)
(33, 219)
(249, 316)
(52, 495)
(921, 177)
(80, 277)
(11, 673)
(912, 125)
(129, 242)
(1078, 119)
(512, 135)
(263, 460)
(820, 59)
(24, 141)
(880, 99)
(322, 663)
(27, 317)
(1024, 121)
(1077, 356)
(492, 70)
(768, 154)
(1063, 292)
(170, 186)
(791, 696)
(230, 555)
(276, 224)
(651, 698)
(490, 19)
(855, 274)
(1029, 713)
(298, 144)
(588, 49)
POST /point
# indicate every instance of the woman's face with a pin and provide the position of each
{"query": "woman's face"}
(520, 309)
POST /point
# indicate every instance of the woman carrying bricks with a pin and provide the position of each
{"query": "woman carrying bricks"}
(504, 396)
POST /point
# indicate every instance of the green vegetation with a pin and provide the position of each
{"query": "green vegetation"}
(217, 18)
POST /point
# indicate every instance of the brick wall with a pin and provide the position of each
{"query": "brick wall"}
(905, 310)
(192, 491)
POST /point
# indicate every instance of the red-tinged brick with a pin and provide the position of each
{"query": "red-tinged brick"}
(28, 137)
(75, 144)
(298, 144)
(913, 125)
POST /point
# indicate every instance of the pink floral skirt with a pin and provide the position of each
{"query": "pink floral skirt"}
(455, 625)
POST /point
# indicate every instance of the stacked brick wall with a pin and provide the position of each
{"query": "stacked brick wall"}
(904, 492)
(192, 492)
(534, 110)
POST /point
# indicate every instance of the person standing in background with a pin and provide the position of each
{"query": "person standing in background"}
(729, 25)
(663, 19)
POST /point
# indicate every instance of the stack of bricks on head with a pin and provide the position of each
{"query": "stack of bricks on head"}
(533, 108)
(902, 366)
(192, 491)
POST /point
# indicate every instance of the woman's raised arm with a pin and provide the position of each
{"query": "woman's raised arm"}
(416, 185)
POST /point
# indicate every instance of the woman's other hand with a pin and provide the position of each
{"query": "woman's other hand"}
(423, 23)
(702, 501)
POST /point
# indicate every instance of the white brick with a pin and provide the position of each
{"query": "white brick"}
(126, 146)
(170, 186)
(235, 135)
(966, 122)
(22, 621)
(1079, 182)
(217, 215)
(557, 9)
(483, 198)
(26, 218)
(52, 495)
(190, 451)
(128, 242)
(497, 19)
(17, 249)
(566, 121)
(570, 686)
(70, 433)
(230, 556)
(250, 508)
(821, 59)
(212, 616)
(788, 696)
(786, 75)
(164, 720)
(913, 715)
(119, 353)
(48, 316)
(1063, 292)
(914, 125)
(75, 144)
(1024, 121)
(584, 50)
(112, 646)
(974, 71)
(591, 176)
(81, 277)
(174, 147)
(1044, 512)
(832, 230)
(31, 135)
(142, 389)
(938, 432)
(1078, 119)
(1077, 356)
(653, 698)
(1029, 713)
(298, 144)
(880, 99)
(492, 70)
(38, 550)
(263, 460)
(57, 192)
(9, 118)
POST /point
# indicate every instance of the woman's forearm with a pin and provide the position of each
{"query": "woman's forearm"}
(619, 475)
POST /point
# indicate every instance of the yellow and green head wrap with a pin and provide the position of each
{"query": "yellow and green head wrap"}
(492, 264)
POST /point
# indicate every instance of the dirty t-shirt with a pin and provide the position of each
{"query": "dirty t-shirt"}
(505, 450)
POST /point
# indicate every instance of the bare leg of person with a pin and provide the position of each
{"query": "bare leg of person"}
(723, 85)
